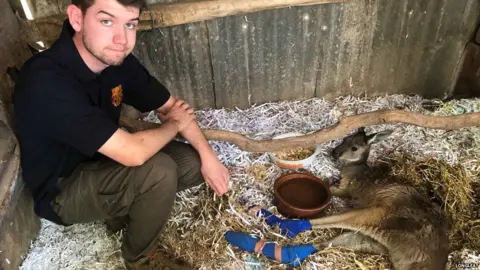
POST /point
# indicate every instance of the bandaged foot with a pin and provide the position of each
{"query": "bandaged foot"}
(288, 227)
(291, 255)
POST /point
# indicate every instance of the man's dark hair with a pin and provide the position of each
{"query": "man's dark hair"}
(85, 4)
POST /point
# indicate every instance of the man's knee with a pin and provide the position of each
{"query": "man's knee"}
(161, 170)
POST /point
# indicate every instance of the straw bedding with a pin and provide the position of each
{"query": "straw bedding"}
(442, 164)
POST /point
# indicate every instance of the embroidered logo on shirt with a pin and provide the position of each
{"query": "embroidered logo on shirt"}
(117, 95)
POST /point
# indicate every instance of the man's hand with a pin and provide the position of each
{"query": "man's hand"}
(180, 113)
(213, 171)
(215, 174)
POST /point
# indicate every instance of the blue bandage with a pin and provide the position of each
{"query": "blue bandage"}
(291, 255)
(269, 250)
(242, 240)
(294, 255)
(289, 227)
(270, 218)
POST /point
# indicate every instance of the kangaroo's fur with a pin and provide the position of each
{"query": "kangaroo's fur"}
(386, 218)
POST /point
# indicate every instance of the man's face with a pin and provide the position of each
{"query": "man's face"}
(109, 31)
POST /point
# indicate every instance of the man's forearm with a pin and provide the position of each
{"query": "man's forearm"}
(152, 140)
(194, 135)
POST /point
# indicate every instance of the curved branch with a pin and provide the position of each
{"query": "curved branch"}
(338, 130)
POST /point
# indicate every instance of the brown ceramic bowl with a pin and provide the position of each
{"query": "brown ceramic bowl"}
(301, 195)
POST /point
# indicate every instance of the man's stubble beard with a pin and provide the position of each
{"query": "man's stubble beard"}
(100, 56)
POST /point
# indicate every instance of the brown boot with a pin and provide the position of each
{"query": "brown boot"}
(114, 225)
(158, 260)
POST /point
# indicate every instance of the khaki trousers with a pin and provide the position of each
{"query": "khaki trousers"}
(105, 190)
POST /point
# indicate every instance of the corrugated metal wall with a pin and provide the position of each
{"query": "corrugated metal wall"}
(372, 47)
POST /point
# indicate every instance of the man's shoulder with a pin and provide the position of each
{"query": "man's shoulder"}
(41, 81)
(41, 63)
(42, 70)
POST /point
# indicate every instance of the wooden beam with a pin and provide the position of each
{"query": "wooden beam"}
(169, 14)
(187, 12)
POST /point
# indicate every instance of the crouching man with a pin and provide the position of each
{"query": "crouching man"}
(77, 162)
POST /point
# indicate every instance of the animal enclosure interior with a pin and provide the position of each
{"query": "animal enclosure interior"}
(268, 72)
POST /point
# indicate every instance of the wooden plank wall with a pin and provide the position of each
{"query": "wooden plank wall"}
(361, 47)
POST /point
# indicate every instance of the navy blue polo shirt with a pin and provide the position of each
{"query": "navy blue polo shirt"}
(64, 113)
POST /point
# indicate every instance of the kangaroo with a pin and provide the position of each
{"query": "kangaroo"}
(388, 218)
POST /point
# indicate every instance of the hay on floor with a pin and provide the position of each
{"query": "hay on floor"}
(450, 187)
(447, 170)
(435, 150)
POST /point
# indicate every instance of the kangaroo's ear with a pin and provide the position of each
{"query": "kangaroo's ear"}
(379, 136)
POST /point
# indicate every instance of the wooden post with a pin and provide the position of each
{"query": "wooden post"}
(162, 15)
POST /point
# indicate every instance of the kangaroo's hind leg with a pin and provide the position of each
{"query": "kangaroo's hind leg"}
(356, 242)
(353, 220)
(364, 220)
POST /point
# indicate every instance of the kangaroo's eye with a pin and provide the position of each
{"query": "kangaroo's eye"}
(354, 148)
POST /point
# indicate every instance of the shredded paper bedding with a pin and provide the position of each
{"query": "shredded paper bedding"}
(199, 219)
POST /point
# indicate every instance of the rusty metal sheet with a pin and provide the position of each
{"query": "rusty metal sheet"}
(387, 47)
(477, 36)
(179, 58)
(467, 84)
(264, 56)
(372, 47)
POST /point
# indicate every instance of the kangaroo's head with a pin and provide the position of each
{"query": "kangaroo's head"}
(355, 148)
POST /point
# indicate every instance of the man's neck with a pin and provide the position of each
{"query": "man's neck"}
(91, 61)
